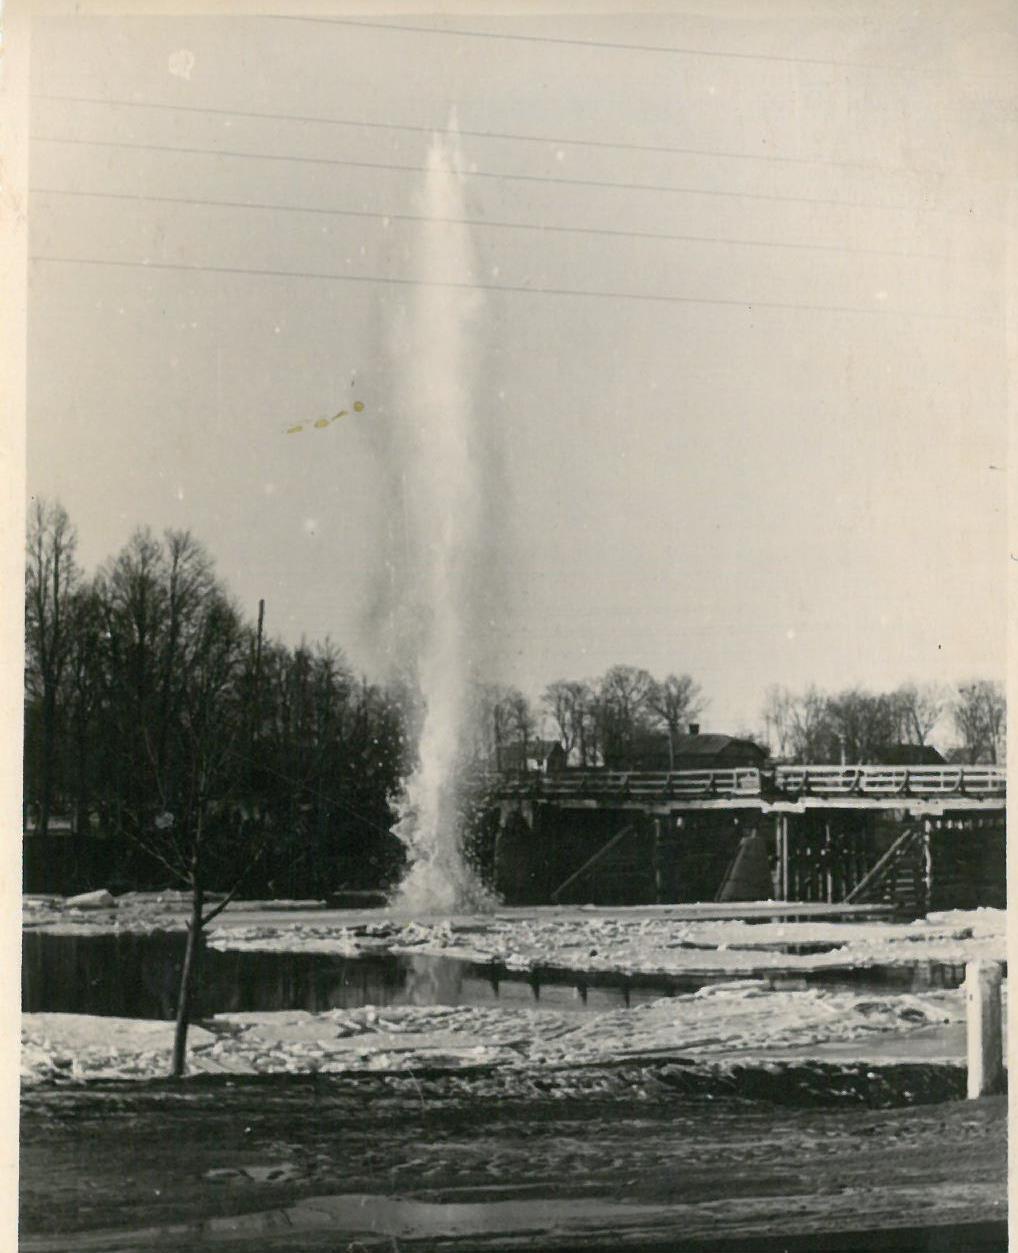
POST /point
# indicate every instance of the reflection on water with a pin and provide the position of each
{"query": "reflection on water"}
(135, 976)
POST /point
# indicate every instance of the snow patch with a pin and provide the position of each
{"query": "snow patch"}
(712, 1023)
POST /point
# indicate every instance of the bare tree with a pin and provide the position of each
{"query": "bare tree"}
(778, 719)
(559, 701)
(189, 579)
(811, 734)
(621, 707)
(863, 722)
(501, 716)
(175, 697)
(980, 717)
(82, 695)
(673, 702)
(521, 719)
(51, 576)
(853, 725)
(919, 708)
(570, 702)
(591, 741)
(132, 591)
(500, 713)
(199, 829)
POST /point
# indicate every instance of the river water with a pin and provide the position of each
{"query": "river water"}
(136, 975)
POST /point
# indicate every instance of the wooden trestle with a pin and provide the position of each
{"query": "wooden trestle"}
(913, 839)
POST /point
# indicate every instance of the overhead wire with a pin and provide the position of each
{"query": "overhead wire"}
(513, 289)
(518, 36)
(473, 223)
(667, 188)
(1001, 76)
(509, 136)
(483, 223)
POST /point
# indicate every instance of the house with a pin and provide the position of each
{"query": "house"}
(692, 751)
(715, 752)
(911, 755)
(547, 756)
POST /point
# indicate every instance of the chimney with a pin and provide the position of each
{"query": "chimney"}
(694, 728)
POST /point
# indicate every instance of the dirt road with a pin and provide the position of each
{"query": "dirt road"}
(594, 1158)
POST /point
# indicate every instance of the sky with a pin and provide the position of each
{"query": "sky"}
(734, 330)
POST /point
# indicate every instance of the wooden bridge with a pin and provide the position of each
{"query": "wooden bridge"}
(914, 837)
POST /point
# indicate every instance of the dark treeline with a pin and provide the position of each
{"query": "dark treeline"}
(157, 716)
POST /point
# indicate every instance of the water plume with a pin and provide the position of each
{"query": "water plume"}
(441, 529)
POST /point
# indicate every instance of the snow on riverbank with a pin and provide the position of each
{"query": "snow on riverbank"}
(718, 1022)
(84, 1046)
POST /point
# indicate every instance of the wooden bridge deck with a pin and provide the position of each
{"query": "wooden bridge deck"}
(792, 789)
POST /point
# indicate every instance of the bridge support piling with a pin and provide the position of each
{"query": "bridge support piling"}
(828, 863)
(781, 838)
(514, 868)
(660, 852)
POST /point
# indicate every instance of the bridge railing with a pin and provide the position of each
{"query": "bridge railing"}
(878, 780)
(790, 781)
(637, 783)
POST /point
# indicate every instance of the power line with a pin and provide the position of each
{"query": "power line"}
(523, 178)
(475, 134)
(511, 289)
(588, 43)
(483, 222)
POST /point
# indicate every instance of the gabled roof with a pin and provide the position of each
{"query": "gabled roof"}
(911, 755)
(709, 745)
(537, 750)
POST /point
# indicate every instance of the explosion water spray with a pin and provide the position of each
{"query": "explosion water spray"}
(443, 524)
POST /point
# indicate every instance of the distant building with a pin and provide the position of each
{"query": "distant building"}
(547, 756)
(720, 752)
(911, 755)
(694, 751)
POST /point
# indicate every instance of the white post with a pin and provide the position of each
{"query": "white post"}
(985, 1041)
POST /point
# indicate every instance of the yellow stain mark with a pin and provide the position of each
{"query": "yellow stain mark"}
(321, 423)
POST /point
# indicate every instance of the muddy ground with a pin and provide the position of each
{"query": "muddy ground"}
(663, 1155)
